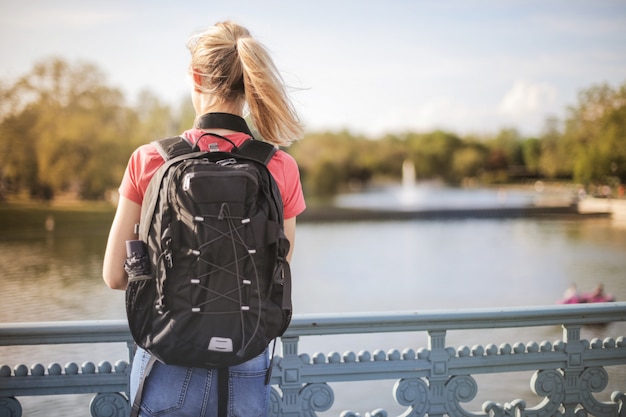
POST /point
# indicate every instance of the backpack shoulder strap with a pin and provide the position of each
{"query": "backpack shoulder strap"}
(136, 406)
(152, 192)
(172, 147)
(224, 121)
(257, 150)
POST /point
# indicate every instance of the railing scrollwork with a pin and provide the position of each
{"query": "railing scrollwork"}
(437, 380)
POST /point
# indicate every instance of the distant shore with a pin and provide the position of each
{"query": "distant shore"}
(342, 214)
(614, 207)
(15, 216)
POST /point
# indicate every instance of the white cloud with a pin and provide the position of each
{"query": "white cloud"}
(83, 18)
(26, 16)
(526, 98)
(438, 112)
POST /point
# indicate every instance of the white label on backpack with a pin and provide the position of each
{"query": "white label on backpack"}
(187, 181)
(221, 344)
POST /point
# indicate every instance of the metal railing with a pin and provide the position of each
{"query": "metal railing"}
(434, 380)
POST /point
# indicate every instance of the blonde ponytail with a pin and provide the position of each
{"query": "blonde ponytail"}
(234, 66)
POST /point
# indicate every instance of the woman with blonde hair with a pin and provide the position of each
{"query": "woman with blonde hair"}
(230, 72)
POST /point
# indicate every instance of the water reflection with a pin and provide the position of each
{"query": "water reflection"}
(354, 267)
(454, 264)
(49, 277)
(430, 195)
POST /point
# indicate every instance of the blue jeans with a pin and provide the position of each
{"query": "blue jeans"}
(178, 391)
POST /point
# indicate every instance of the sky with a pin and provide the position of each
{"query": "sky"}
(371, 67)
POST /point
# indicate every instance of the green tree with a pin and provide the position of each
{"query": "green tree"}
(155, 117)
(65, 130)
(469, 162)
(330, 162)
(505, 155)
(386, 155)
(531, 154)
(509, 141)
(432, 154)
(595, 134)
(186, 114)
(554, 160)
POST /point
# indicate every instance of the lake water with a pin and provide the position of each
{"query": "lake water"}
(434, 195)
(344, 267)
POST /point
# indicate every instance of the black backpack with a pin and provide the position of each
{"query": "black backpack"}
(219, 287)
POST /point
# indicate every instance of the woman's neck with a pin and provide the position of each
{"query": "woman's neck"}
(204, 103)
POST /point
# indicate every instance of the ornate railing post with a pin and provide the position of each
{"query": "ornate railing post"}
(580, 380)
(438, 373)
(289, 403)
(298, 397)
(574, 349)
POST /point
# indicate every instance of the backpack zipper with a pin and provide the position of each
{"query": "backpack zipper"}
(189, 176)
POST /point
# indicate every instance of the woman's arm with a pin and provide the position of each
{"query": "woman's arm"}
(123, 229)
(290, 232)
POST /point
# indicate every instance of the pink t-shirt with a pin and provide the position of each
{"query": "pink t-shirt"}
(146, 160)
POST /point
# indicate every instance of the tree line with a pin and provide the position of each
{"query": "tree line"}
(63, 130)
(587, 148)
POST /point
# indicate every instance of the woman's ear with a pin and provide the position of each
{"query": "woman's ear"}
(197, 80)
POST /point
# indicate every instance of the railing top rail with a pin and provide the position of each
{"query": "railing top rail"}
(61, 332)
(462, 319)
(106, 331)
